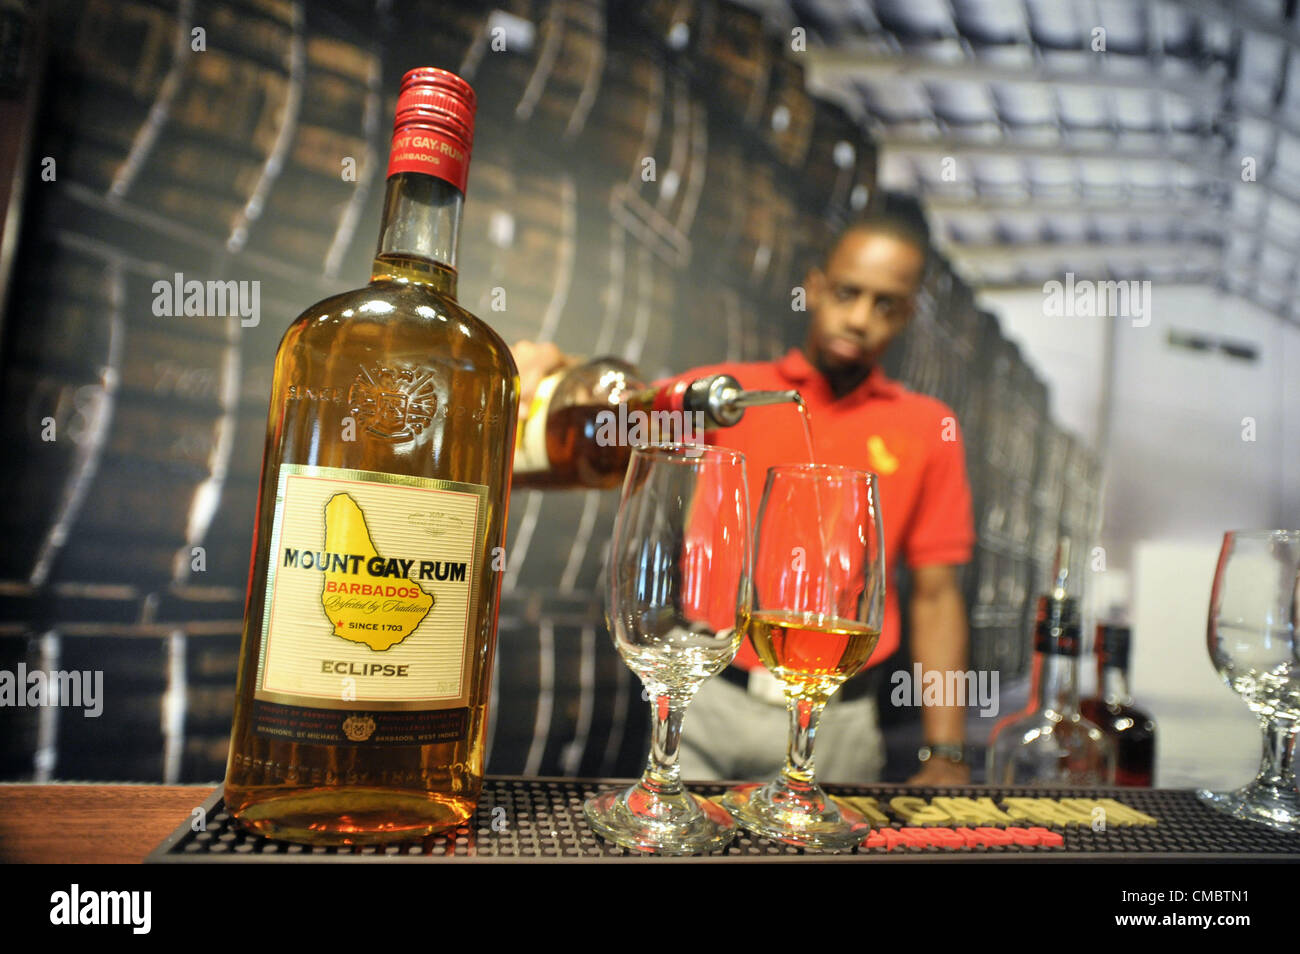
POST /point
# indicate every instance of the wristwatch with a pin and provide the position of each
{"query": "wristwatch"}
(951, 751)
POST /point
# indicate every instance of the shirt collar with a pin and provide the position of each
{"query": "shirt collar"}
(797, 369)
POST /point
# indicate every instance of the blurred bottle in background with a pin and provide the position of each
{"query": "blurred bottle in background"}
(1050, 742)
(1131, 729)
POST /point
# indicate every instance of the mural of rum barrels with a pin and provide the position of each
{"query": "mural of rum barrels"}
(20, 727)
(650, 131)
(130, 737)
(673, 24)
(766, 213)
(723, 203)
(733, 58)
(538, 62)
(570, 65)
(518, 247)
(565, 702)
(628, 114)
(811, 237)
(788, 114)
(839, 157)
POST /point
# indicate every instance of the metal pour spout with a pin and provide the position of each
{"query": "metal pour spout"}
(723, 401)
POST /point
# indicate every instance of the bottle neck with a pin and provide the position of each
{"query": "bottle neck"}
(1056, 683)
(1112, 684)
(420, 233)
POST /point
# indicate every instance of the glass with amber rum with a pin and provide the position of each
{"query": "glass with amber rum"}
(371, 614)
(818, 591)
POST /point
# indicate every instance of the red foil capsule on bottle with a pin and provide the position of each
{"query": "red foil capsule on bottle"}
(433, 130)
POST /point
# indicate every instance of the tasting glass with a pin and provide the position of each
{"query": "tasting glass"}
(676, 603)
(818, 591)
(1254, 614)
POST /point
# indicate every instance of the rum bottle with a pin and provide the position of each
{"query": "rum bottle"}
(371, 615)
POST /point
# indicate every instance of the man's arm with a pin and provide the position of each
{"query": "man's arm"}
(939, 643)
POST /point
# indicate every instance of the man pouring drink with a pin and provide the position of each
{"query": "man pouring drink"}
(859, 300)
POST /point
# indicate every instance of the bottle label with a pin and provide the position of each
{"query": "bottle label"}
(531, 455)
(418, 149)
(370, 605)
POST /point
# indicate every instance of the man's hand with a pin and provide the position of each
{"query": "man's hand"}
(536, 360)
(941, 772)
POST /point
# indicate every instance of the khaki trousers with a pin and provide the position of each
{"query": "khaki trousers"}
(729, 734)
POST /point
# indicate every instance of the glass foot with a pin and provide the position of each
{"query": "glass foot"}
(1259, 802)
(678, 824)
(804, 816)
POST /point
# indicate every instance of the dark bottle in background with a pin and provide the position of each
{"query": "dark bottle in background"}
(1132, 730)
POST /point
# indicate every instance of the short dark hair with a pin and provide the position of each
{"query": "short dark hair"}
(893, 213)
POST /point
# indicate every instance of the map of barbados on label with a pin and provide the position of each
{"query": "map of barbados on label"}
(371, 595)
(348, 600)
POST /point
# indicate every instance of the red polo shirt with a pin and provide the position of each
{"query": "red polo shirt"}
(909, 440)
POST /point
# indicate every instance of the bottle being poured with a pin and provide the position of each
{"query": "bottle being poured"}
(584, 421)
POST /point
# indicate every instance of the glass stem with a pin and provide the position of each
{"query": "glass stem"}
(1277, 768)
(805, 714)
(663, 773)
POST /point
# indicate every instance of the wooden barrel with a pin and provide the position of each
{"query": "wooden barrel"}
(441, 33)
(788, 114)
(19, 726)
(836, 157)
(627, 117)
(761, 232)
(571, 63)
(649, 132)
(672, 24)
(811, 237)
(538, 62)
(129, 740)
(728, 324)
(622, 303)
(125, 413)
(724, 201)
(733, 60)
(747, 227)
(266, 140)
(518, 246)
(1049, 490)
(564, 702)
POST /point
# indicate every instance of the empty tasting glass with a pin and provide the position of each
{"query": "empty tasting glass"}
(1254, 612)
(818, 602)
(677, 601)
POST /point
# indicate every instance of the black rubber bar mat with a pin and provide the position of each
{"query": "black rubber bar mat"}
(541, 820)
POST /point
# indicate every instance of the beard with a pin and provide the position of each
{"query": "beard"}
(843, 375)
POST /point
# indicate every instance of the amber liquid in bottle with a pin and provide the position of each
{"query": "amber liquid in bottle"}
(393, 379)
(1131, 729)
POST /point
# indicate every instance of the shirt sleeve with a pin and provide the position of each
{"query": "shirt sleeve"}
(943, 529)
